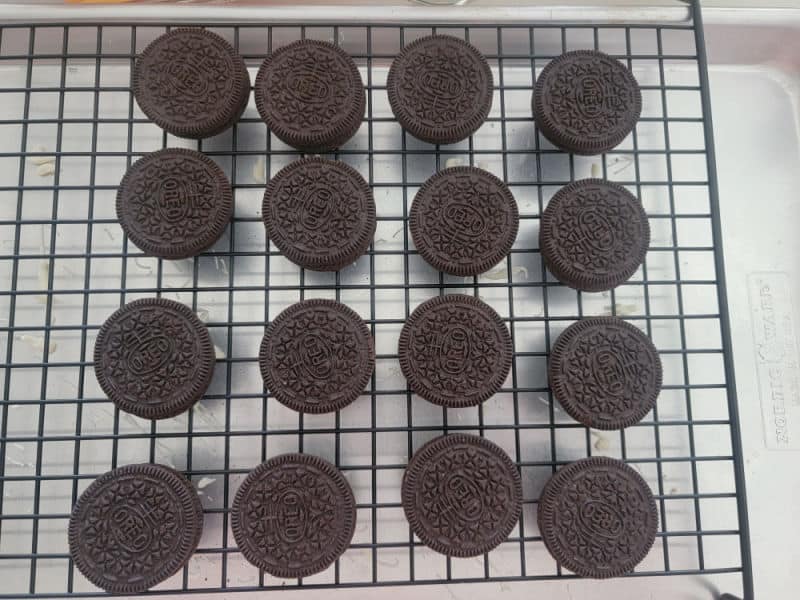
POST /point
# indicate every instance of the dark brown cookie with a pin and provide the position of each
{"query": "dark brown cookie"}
(462, 495)
(598, 517)
(586, 102)
(154, 358)
(594, 235)
(455, 351)
(440, 89)
(605, 372)
(174, 203)
(191, 83)
(134, 527)
(311, 95)
(293, 515)
(317, 356)
(464, 221)
(319, 213)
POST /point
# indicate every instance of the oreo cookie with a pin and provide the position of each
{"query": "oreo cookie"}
(455, 351)
(462, 495)
(191, 83)
(598, 517)
(605, 372)
(464, 221)
(440, 89)
(594, 235)
(319, 213)
(293, 515)
(154, 358)
(317, 356)
(174, 203)
(586, 102)
(311, 95)
(134, 527)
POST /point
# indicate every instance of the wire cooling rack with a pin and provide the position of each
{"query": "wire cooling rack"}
(69, 128)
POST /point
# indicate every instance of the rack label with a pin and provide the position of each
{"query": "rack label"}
(775, 347)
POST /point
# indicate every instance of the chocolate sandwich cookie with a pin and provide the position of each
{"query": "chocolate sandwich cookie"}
(440, 89)
(293, 515)
(594, 235)
(317, 356)
(134, 527)
(605, 372)
(464, 221)
(586, 102)
(598, 517)
(154, 358)
(319, 213)
(311, 95)
(174, 203)
(462, 495)
(192, 83)
(455, 351)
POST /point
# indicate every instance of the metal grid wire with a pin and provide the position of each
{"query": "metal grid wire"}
(69, 128)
